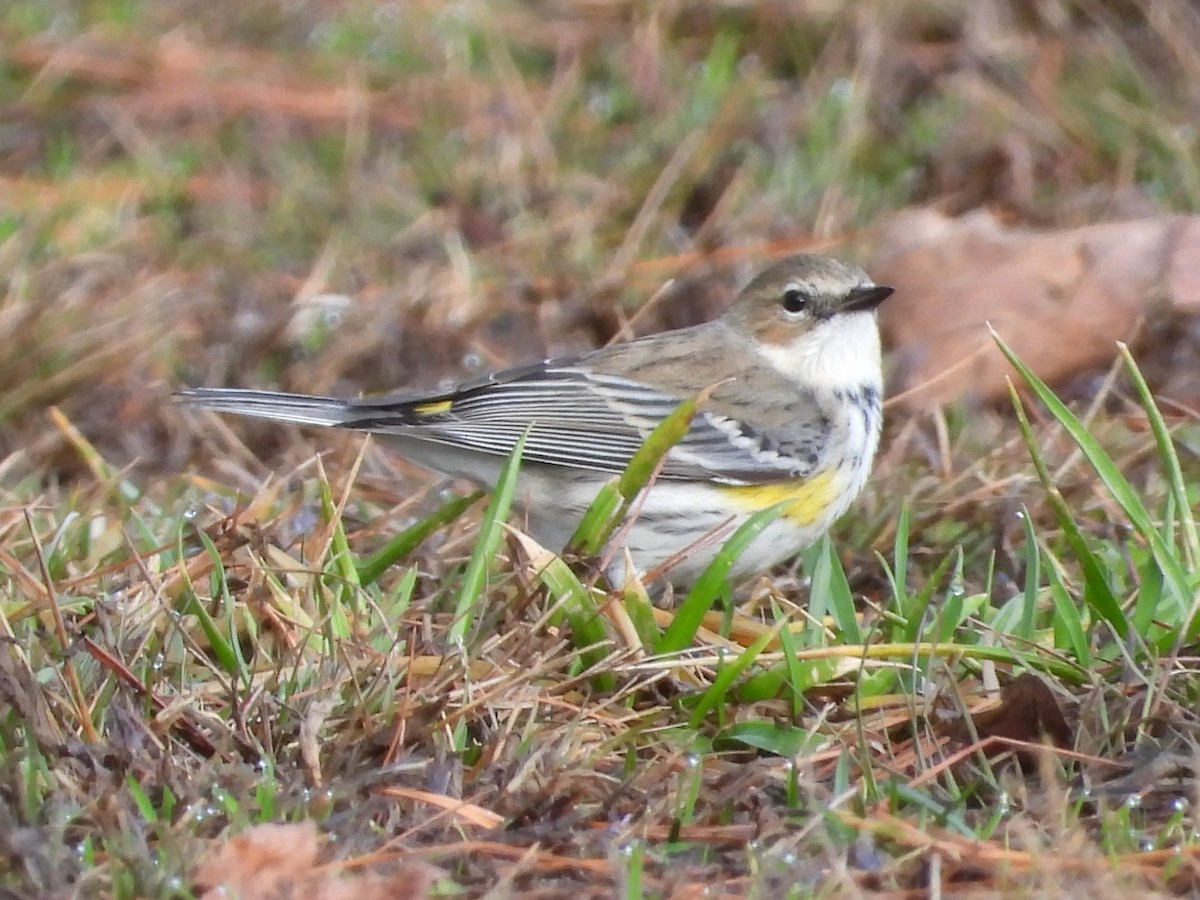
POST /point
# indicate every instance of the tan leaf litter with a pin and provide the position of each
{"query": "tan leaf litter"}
(1061, 299)
(280, 862)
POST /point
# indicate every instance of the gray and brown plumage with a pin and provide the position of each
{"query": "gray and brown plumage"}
(793, 414)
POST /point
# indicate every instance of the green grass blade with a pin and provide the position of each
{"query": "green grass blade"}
(1179, 589)
(491, 527)
(829, 592)
(796, 681)
(953, 609)
(765, 684)
(222, 649)
(1149, 596)
(598, 522)
(410, 538)
(699, 600)
(641, 613)
(796, 674)
(666, 434)
(1097, 592)
(587, 626)
(898, 570)
(719, 689)
(611, 504)
(1170, 459)
(1033, 577)
(920, 603)
(777, 738)
(340, 565)
(1069, 630)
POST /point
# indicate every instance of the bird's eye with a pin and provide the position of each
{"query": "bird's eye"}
(794, 299)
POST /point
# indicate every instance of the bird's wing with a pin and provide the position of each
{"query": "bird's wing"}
(574, 416)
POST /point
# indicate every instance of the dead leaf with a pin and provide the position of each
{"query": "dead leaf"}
(1028, 713)
(280, 862)
(1059, 299)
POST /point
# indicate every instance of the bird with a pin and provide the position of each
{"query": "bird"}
(790, 385)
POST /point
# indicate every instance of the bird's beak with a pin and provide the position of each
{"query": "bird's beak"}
(861, 299)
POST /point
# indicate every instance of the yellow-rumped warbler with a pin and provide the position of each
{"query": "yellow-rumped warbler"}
(793, 415)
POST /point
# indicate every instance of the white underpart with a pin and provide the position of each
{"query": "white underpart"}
(840, 352)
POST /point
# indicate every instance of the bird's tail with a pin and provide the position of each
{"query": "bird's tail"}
(299, 408)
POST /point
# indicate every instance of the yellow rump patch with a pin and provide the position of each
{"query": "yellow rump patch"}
(809, 497)
(434, 408)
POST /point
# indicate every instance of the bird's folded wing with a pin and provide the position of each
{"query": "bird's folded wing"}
(575, 417)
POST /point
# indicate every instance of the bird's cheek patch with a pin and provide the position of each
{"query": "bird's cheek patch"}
(780, 333)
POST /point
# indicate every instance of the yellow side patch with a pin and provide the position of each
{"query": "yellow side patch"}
(432, 409)
(809, 497)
